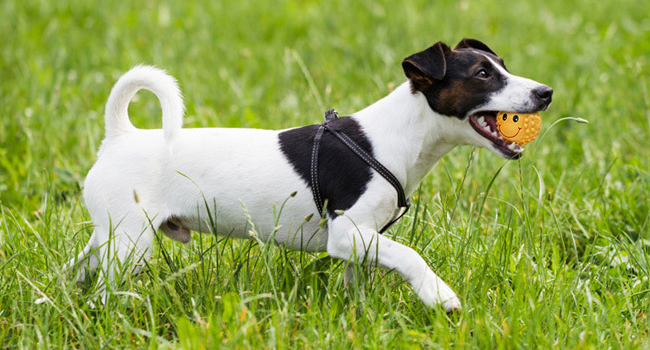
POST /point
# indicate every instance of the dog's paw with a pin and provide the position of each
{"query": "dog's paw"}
(452, 305)
(446, 298)
(42, 300)
(437, 293)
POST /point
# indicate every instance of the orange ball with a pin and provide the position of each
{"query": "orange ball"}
(520, 128)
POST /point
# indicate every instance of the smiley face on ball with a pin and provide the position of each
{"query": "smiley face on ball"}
(520, 128)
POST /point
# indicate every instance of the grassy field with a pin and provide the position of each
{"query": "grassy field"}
(552, 251)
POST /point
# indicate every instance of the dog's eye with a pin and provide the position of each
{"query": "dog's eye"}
(505, 117)
(481, 74)
(515, 118)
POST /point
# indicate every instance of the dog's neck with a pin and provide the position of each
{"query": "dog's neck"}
(408, 137)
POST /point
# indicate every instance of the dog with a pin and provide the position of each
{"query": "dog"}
(229, 181)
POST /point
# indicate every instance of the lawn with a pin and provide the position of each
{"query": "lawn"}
(552, 251)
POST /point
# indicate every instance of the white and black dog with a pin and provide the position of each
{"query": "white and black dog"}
(228, 180)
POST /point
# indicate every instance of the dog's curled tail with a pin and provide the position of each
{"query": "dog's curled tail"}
(152, 79)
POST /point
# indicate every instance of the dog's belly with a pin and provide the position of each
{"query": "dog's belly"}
(293, 233)
(232, 182)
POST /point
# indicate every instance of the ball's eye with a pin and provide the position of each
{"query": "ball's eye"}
(505, 117)
(481, 74)
(515, 118)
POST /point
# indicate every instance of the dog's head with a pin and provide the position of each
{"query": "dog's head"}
(470, 84)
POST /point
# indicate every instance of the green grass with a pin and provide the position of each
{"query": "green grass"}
(552, 251)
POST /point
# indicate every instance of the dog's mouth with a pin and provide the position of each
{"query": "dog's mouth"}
(485, 124)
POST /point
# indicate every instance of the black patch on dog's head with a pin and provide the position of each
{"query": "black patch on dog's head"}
(481, 46)
(456, 81)
(342, 175)
(468, 43)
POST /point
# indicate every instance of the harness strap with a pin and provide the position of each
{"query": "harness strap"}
(402, 201)
(315, 186)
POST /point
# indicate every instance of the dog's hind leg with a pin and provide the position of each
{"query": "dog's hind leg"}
(86, 262)
(362, 244)
(124, 251)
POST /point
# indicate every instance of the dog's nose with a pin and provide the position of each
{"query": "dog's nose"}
(545, 93)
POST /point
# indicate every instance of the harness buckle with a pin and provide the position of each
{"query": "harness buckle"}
(330, 115)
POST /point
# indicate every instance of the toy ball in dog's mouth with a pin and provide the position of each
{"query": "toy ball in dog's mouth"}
(520, 128)
(508, 131)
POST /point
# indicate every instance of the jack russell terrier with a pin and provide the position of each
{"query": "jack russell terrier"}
(228, 181)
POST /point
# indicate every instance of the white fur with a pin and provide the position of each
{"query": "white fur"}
(236, 177)
(150, 78)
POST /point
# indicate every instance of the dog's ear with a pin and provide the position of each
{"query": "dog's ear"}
(474, 44)
(423, 68)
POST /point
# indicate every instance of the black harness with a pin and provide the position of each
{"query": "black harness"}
(402, 202)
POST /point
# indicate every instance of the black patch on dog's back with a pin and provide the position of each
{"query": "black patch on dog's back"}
(342, 175)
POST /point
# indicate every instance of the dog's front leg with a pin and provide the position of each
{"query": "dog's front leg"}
(362, 244)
